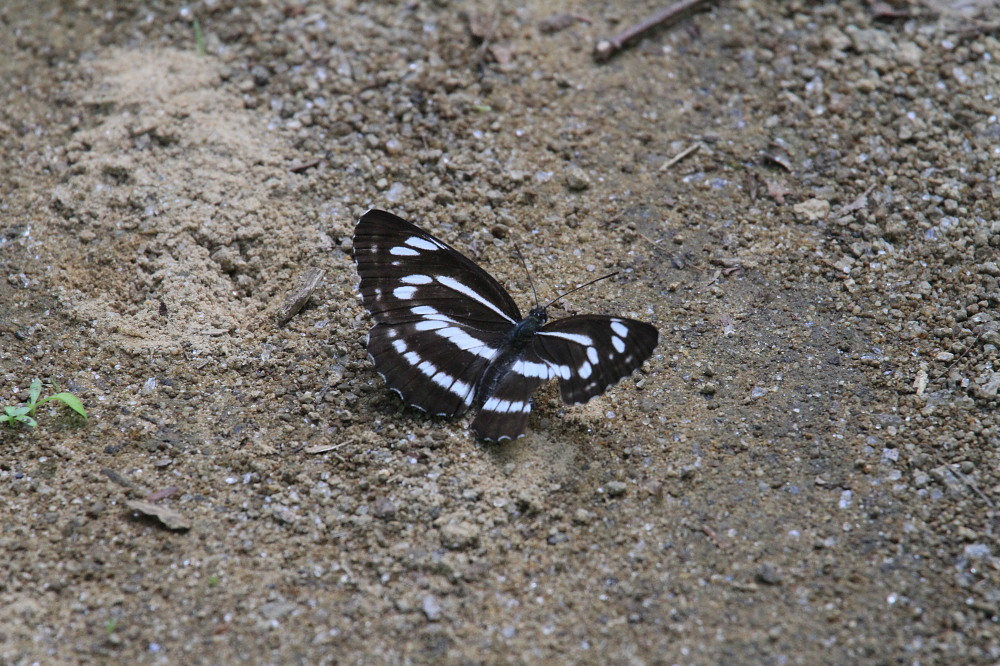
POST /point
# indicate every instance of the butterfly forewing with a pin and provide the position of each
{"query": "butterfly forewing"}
(401, 266)
(448, 337)
(440, 319)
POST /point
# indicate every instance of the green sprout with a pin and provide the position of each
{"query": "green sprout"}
(199, 39)
(24, 414)
(110, 626)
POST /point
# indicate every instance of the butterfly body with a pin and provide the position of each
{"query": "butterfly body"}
(448, 337)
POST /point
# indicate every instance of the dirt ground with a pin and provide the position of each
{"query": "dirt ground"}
(802, 196)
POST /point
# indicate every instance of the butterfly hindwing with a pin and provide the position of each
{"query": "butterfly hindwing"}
(504, 415)
(590, 353)
(426, 371)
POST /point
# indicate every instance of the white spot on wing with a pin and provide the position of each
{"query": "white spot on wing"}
(416, 279)
(429, 325)
(399, 346)
(584, 370)
(620, 329)
(618, 343)
(452, 385)
(531, 369)
(570, 337)
(592, 355)
(562, 371)
(404, 293)
(422, 243)
(491, 405)
(455, 285)
(466, 342)
(403, 252)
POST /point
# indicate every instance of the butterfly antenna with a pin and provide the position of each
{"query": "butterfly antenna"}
(526, 271)
(563, 295)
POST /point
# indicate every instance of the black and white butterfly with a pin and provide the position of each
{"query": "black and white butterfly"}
(448, 337)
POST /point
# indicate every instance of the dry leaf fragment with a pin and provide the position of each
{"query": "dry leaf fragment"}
(162, 494)
(502, 54)
(173, 520)
(308, 283)
(777, 189)
(481, 26)
(558, 22)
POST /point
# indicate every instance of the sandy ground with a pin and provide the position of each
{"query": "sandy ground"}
(806, 471)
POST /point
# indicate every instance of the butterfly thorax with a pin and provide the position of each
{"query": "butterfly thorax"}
(519, 339)
(527, 327)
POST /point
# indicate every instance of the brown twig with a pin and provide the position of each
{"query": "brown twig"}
(690, 150)
(299, 167)
(959, 357)
(710, 533)
(966, 481)
(977, 30)
(608, 47)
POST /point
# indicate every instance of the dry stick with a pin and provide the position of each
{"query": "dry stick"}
(968, 483)
(710, 533)
(690, 150)
(487, 38)
(960, 357)
(608, 47)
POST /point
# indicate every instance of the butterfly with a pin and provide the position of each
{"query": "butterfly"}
(447, 337)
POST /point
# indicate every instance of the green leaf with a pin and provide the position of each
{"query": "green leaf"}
(28, 421)
(35, 390)
(71, 401)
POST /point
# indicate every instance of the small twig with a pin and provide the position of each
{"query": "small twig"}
(883, 10)
(486, 36)
(652, 242)
(859, 202)
(299, 167)
(690, 150)
(970, 484)
(977, 30)
(608, 47)
(676, 260)
(967, 482)
(710, 533)
(324, 448)
(960, 357)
